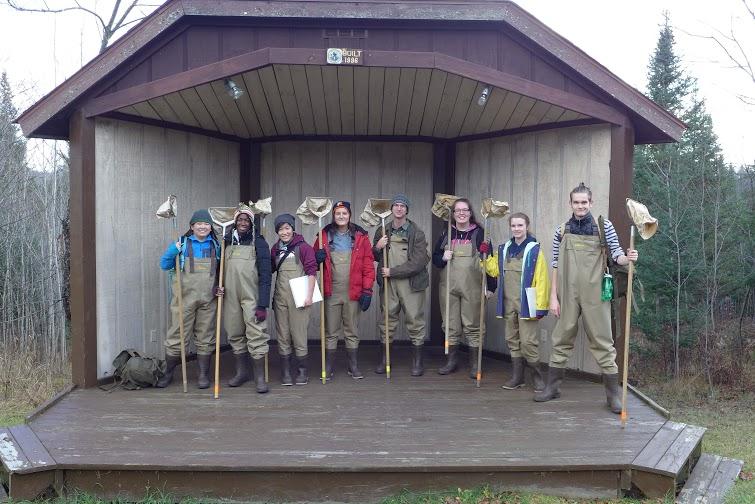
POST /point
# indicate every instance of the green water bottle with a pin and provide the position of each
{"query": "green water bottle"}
(607, 291)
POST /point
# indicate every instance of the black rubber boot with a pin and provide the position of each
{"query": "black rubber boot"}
(242, 370)
(380, 368)
(353, 369)
(453, 361)
(170, 365)
(517, 374)
(258, 366)
(473, 362)
(286, 379)
(418, 368)
(203, 379)
(330, 364)
(302, 373)
(538, 375)
(613, 392)
(551, 390)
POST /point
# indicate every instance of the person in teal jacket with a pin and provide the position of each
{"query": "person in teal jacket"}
(199, 258)
(523, 296)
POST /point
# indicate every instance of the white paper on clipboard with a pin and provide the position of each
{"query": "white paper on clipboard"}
(531, 299)
(300, 288)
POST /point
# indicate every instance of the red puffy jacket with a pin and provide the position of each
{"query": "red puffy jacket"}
(362, 268)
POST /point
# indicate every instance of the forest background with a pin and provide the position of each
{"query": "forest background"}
(693, 339)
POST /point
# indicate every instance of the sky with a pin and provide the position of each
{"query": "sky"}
(39, 51)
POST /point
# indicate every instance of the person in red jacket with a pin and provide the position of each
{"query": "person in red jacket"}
(349, 272)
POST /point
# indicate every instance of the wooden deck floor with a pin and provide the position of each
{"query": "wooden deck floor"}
(432, 425)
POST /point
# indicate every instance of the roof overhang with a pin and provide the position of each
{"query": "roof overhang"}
(662, 126)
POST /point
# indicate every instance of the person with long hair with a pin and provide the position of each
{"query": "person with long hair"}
(348, 276)
(461, 253)
(199, 255)
(523, 296)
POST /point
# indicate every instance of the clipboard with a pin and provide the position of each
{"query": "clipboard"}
(300, 287)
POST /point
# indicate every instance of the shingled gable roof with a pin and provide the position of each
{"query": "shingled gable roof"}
(47, 117)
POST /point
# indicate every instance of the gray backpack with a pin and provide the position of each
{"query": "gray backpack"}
(134, 372)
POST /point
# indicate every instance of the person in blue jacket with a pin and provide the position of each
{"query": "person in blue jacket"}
(199, 253)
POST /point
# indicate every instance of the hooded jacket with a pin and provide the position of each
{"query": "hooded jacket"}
(362, 266)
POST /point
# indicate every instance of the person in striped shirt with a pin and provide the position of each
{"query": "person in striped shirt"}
(579, 263)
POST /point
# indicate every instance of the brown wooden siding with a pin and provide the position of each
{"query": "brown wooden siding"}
(201, 45)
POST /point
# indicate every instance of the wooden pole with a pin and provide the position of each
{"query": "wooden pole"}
(627, 322)
(385, 311)
(180, 311)
(448, 280)
(322, 305)
(219, 316)
(483, 304)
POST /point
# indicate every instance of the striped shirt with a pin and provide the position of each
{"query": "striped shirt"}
(612, 239)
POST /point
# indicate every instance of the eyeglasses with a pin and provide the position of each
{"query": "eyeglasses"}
(461, 210)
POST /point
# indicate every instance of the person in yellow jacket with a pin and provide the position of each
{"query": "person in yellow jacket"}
(523, 298)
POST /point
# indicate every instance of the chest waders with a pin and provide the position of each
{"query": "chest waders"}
(246, 335)
(521, 334)
(290, 322)
(199, 308)
(463, 313)
(581, 265)
(341, 315)
(402, 297)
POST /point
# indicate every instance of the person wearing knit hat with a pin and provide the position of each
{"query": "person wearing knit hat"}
(247, 295)
(405, 245)
(292, 257)
(199, 254)
(347, 284)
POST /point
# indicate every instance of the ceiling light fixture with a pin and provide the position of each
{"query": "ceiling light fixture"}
(483, 97)
(234, 91)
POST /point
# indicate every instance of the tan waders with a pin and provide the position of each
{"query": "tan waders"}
(581, 265)
(402, 297)
(290, 322)
(341, 314)
(464, 306)
(245, 334)
(199, 305)
(521, 334)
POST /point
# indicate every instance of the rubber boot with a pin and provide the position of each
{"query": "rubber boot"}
(330, 364)
(170, 364)
(258, 366)
(242, 370)
(538, 376)
(418, 368)
(517, 374)
(203, 379)
(551, 390)
(473, 362)
(380, 368)
(353, 370)
(613, 392)
(302, 374)
(453, 361)
(286, 379)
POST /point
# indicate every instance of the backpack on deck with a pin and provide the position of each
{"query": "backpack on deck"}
(134, 372)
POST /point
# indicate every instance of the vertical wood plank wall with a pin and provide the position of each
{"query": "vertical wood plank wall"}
(353, 171)
(534, 172)
(138, 166)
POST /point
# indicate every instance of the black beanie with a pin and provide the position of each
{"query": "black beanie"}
(285, 219)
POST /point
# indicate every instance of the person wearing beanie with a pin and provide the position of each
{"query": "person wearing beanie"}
(348, 276)
(292, 257)
(247, 295)
(406, 248)
(199, 254)
(461, 253)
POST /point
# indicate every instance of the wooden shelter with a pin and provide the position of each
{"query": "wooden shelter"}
(152, 116)
(350, 99)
